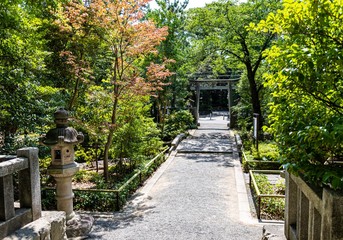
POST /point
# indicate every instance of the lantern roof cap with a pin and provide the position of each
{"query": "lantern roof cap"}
(62, 134)
(61, 117)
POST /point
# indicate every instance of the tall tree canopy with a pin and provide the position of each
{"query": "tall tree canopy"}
(23, 98)
(171, 14)
(306, 81)
(222, 36)
(126, 38)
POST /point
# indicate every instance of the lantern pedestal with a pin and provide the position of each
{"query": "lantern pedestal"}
(64, 192)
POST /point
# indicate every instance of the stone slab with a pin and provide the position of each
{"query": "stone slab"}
(51, 226)
(57, 220)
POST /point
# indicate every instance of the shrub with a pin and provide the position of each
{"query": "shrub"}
(306, 82)
(95, 201)
(84, 155)
(266, 158)
(176, 123)
(266, 151)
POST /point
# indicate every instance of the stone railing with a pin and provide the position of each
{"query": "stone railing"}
(312, 213)
(26, 165)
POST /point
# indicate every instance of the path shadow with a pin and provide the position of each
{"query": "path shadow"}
(212, 135)
(130, 214)
(222, 160)
(202, 145)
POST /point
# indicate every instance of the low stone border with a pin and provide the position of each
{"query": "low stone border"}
(176, 141)
(52, 225)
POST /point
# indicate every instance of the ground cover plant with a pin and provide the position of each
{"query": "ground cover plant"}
(271, 208)
(265, 158)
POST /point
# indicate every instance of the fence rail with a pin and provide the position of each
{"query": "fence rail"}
(26, 165)
(252, 181)
(123, 192)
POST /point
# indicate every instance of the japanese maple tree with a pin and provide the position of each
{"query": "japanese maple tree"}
(126, 39)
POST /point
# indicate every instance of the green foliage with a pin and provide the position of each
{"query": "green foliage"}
(306, 81)
(15, 141)
(44, 163)
(266, 158)
(83, 200)
(108, 200)
(95, 201)
(244, 110)
(266, 152)
(85, 155)
(86, 176)
(260, 165)
(176, 123)
(87, 201)
(271, 208)
(24, 103)
(280, 187)
(136, 136)
(171, 14)
(221, 38)
(48, 200)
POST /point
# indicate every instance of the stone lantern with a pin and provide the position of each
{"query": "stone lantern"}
(62, 140)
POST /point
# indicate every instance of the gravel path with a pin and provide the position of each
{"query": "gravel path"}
(192, 196)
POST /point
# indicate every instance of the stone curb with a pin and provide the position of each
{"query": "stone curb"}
(52, 225)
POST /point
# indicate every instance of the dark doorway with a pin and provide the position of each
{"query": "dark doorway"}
(213, 100)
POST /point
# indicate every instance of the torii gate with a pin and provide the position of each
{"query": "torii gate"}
(222, 82)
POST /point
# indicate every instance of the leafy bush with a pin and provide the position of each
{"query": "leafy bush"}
(84, 155)
(261, 165)
(15, 141)
(86, 176)
(306, 81)
(95, 201)
(48, 200)
(108, 200)
(266, 158)
(280, 187)
(137, 136)
(271, 208)
(266, 152)
(176, 123)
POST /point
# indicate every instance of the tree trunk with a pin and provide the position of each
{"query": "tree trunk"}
(255, 100)
(106, 151)
(110, 136)
(73, 98)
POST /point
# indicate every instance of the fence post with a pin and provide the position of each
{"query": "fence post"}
(118, 202)
(259, 208)
(29, 182)
(6, 198)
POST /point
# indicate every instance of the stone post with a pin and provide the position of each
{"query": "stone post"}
(29, 182)
(332, 218)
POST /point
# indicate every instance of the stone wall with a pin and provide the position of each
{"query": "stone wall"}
(312, 213)
(51, 226)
